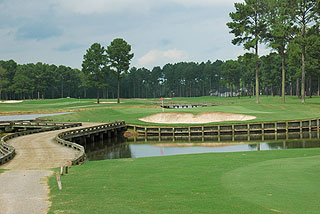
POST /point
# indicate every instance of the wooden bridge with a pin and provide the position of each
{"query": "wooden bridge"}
(250, 131)
(77, 138)
(7, 151)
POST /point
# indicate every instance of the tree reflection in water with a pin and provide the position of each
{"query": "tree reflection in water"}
(127, 148)
(109, 149)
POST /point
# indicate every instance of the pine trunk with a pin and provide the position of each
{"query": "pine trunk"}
(283, 76)
(318, 86)
(118, 89)
(303, 75)
(98, 95)
(310, 86)
(257, 74)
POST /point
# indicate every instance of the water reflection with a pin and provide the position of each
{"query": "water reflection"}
(124, 148)
(114, 149)
(28, 116)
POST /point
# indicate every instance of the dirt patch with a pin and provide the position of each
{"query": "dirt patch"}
(185, 118)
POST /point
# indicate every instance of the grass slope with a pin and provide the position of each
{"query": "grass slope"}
(245, 182)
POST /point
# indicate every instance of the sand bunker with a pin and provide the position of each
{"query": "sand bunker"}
(208, 117)
(12, 101)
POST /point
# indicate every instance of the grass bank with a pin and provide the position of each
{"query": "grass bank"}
(283, 181)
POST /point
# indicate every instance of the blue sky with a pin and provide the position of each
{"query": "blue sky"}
(59, 31)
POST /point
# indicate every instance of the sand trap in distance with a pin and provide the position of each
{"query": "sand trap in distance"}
(206, 117)
(12, 101)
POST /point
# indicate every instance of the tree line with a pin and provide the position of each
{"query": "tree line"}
(279, 24)
(289, 27)
(183, 79)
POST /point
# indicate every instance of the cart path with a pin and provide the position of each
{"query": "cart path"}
(24, 191)
(40, 151)
(24, 188)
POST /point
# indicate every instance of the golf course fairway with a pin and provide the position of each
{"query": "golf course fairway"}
(279, 181)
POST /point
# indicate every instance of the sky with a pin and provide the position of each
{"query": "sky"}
(159, 31)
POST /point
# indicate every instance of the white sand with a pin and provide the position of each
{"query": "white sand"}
(12, 101)
(207, 117)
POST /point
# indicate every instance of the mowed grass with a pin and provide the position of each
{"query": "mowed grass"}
(130, 110)
(270, 109)
(282, 181)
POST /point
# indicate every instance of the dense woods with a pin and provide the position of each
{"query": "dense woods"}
(289, 28)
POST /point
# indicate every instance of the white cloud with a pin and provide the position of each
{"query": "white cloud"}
(87, 7)
(191, 3)
(160, 58)
(115, 6)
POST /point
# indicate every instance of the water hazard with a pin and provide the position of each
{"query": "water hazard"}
(127, 148)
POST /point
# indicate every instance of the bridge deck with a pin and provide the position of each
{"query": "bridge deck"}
(39, 151)
(24, 187)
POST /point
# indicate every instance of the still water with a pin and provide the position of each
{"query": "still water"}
(124, 149)
(28, 116)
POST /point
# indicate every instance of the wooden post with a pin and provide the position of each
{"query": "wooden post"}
(202, 131)
(219, 139)
(310, 128)
(59, 181)
(301, 130)
(284, 145)
(61, 170)
(262, 130)
(145, 132)
(248, 131)
(232, 126)
(101, 137)
(159, 130)
(287, 130)
(173, 133)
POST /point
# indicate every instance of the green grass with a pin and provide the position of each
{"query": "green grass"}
(270, 109)
(130, 110)
(285, 181)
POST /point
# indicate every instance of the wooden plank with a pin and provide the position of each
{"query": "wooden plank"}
(59, 181)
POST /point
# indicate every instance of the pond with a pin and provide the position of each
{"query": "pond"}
(28, 116)
(124, 149)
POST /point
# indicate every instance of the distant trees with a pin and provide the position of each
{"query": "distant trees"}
(277, 23)
(118, 57)
(279, 32)
(248, 25)
(94, 68)
(305, 15)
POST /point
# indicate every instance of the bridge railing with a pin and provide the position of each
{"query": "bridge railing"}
(8, 152)
(61, 137)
